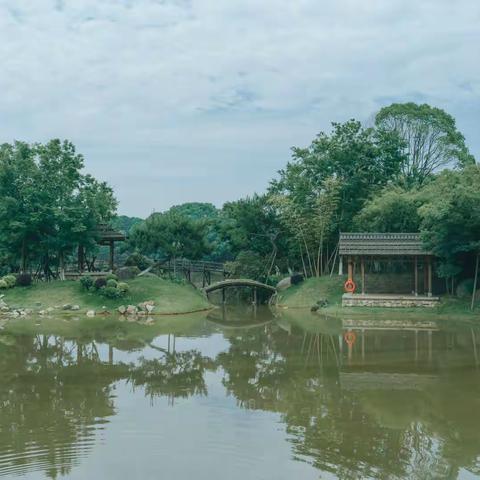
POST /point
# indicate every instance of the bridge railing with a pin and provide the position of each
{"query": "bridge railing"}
(193, 265)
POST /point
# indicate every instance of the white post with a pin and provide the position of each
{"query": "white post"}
(340, 265)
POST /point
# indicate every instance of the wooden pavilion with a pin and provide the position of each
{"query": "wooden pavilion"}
(362, 249)
(106, 236)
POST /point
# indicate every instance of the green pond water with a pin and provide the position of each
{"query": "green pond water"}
(239, 394)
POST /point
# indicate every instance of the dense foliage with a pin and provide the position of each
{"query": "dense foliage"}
(47, 205)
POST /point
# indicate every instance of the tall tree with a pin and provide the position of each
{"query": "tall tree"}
(171, 235)
(431, 139)
(326, 185)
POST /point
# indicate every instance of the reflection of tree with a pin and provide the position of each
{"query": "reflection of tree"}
(177, 374)
(54, 394)
(366, 431)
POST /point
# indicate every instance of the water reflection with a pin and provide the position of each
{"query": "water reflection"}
(357, 399)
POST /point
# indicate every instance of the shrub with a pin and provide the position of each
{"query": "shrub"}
(138, 260)
(3, 284)
(100, 283)
(111, 276)
(10, 280)
(123, 288)
(24, 280)
(110, 292)
(86, 282)
(111, 283)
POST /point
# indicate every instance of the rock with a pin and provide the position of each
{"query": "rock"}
(284, 283)
(296, 278)
(314, 308)
(149, 308)
(42, 312)
(75, 307)
(28, 311)
(38, 304)
(91, 313)
(67, 306)
(50, 309)
(131, 310)
(122, 309)
(322, 303)
(127, 273)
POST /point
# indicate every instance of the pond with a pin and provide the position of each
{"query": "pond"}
(240, 394)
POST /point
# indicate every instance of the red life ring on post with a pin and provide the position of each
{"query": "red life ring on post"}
(350, 338)
(350, 286)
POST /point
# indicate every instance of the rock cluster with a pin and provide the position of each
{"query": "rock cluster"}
(134, 312)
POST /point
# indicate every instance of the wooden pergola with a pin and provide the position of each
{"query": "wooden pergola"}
(106, 236)
(356, 248)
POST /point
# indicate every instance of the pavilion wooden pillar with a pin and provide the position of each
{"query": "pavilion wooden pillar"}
(415, 262)
(362, 266)
(429, 265)
(425, 276)
(112, 254)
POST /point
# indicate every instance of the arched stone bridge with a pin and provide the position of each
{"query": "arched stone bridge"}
(240, 283)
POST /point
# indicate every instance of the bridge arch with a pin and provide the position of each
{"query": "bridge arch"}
(239, 283)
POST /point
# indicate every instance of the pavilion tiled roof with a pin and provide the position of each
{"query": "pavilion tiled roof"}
(381, 244)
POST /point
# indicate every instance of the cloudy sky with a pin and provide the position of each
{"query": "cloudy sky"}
(181, 100)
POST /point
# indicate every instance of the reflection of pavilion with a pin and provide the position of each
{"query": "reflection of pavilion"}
(397, 355)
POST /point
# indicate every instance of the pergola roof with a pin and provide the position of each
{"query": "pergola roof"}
(106, 234)
(381, 244)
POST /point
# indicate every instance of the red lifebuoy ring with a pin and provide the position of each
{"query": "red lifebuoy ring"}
(350, 286)
(350, 338)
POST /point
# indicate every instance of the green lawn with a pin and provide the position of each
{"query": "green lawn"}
(169, 297)
(306, 294)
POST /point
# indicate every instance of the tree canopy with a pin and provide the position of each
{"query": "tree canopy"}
(48, 206)
(430, 136)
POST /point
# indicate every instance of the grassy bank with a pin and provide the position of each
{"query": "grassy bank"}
(169, 297)
(308, 293)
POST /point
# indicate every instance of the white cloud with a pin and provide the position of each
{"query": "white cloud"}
(164, 97)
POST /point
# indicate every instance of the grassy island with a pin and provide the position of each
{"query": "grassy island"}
(169, 297)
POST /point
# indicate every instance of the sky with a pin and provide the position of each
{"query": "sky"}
(172, 101)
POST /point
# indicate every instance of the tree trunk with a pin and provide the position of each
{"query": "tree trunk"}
(475, 282)
(23, 263)
(61, 260)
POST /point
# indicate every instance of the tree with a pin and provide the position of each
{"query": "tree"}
(361, 160)
(252, 225)
(171, 235)
(393, 210)
(326, 185)
(431, 139)
(450, 220)
(47, 205)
